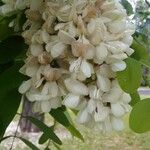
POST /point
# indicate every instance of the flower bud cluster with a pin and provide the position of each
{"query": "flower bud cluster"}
(75, 49)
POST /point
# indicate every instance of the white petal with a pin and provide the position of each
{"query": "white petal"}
(32, 70)
(91, 106)
(117, 110)
(57, 49)
(113, 96)
(118, 66)
(36, 107)
(36, 49)
(101, 52)
(45, 106)
(71, 101)
(55, 102)
(25, 86)
(45, 36)
(83, 117)
(127, 39)
(53, 89)
(117, 124)
(117, 26)
(65, 37)
(126, 98)
(75, 65)
(45, 89)
(37, 97)
(101, 113)
(129, 51)
(76, 87)
(103, 83)
(105, 70)
(91, 26)
(82, 104)
(86, 68)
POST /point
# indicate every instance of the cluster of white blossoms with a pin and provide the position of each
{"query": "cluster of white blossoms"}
(75, 49)
(13, 5)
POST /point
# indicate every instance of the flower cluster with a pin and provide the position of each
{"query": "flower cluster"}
(75, 49)
(13, 5)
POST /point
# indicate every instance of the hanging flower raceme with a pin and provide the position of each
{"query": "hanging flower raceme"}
(75, 50)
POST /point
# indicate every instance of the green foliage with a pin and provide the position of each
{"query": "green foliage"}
(135, 97)
(48, 131)
(127, 6)
(5, 30)
(140, 116)
(10, 99)
(61, 116)
(29, 144)
(140, 52)
(10, 48)
(130, 78)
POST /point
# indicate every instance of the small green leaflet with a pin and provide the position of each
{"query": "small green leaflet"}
(62, 116)
(29, 144)
(140, 51)
(135, 98)
(127, 6)
(130, 78)
(48, 131)
(140, 116)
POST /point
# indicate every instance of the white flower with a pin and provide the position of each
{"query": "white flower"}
(71, 100)
(31, 67)
(83, 117)
(76, 87)
(55, 47)
(36, 49)
(101, 113)
(65, 37)
(103, 83)
(75, 50)
(101, 52)
(117, 110)
(81, 66)
(117, 124)
(25, 86)
(118, 66)
(117, 26)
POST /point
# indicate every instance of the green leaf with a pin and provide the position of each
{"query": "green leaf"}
(10, 48)
(6, 66)
(59, 116)
(62, 116)
(127, 6)
(57, 147)
(135, 98)
(130, 78)
(75, 132)
(9, 97)
(43, 138)
(140, 52)
(29, 144)
(48, 131)
(146, 63)
(140, 116)
(5, 30)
